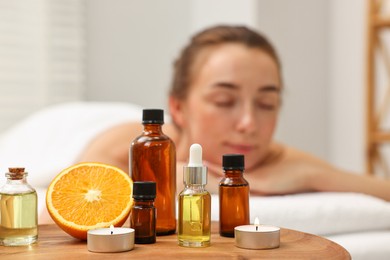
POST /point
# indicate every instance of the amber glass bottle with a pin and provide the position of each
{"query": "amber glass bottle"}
(153, 158)
(233, 195)
(143, 213)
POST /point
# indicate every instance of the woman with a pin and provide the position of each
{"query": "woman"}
(226, 96)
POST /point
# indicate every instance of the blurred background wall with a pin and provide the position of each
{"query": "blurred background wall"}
(102, 50)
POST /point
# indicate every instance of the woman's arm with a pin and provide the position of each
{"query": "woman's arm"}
(293, 171)
(288, 171)
(344, 181)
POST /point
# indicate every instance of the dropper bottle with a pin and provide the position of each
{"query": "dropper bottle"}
(194, 203)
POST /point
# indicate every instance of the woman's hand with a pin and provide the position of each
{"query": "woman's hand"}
(270, 180)
(286, 178)
(289, 171)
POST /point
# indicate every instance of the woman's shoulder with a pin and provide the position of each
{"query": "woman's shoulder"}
(126, 132)
(283, 152)
(112, 145)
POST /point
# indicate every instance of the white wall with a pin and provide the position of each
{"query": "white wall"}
(347, 42)
(299, 30)
(42, 57)
(131, 46)
(206, 13)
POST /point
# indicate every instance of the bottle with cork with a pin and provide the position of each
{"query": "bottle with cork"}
(233, 195)
(153, 158)
(18, 210)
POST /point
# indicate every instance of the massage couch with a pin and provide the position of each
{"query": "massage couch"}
(50, 140)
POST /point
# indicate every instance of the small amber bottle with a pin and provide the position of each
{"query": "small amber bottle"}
(18, 210)
(143, 213)
(153, 158)
(233, 195)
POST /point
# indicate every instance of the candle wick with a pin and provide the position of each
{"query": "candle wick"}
(112, 229)
(257, 227)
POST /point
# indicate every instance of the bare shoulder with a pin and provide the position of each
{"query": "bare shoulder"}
(111, 146)
(124, 134)
(120, 133)
(284, 154)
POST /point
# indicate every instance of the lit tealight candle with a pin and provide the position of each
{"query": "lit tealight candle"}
(257, 236)
(110, 239)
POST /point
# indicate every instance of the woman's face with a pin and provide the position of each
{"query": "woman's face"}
(233, 103)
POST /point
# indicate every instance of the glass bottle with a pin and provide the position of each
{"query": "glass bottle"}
(18, 210)
(233, 195)
(143, 213)
(194, 203)
(153, 158)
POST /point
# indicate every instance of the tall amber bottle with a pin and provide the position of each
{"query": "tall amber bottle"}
(233, 195)
(153, 158)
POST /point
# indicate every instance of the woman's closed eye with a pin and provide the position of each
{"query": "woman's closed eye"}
(267, 106)
(222, 100)
(224, 103)
(270, 104)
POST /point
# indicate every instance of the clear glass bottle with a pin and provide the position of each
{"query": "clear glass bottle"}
(18, 210)
(194, 203)
(143, 213)
(233, 195)
(153, 158)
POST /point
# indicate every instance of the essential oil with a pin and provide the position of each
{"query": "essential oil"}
(18, 210)
(233, 195)
(194, 203)
(143, 213)
(194, 224)
(153, 158)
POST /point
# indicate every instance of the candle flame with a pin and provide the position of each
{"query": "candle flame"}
(257, 223)
(112, 229)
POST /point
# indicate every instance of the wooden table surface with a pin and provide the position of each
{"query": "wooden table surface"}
(53, 243)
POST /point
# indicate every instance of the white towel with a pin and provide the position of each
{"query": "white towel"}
(53, 138)
(320, 213)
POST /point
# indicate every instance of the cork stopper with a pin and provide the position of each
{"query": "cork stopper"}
(16, 173)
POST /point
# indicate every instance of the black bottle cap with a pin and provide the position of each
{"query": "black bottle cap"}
(153, 116)
(233, 162)
(144, 190)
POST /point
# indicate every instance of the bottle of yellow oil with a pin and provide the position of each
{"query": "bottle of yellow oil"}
(18, 210)
(194, 203)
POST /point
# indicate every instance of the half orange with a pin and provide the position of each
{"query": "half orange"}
(88, 196)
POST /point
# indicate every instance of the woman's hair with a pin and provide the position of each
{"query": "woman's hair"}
(211, 37)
